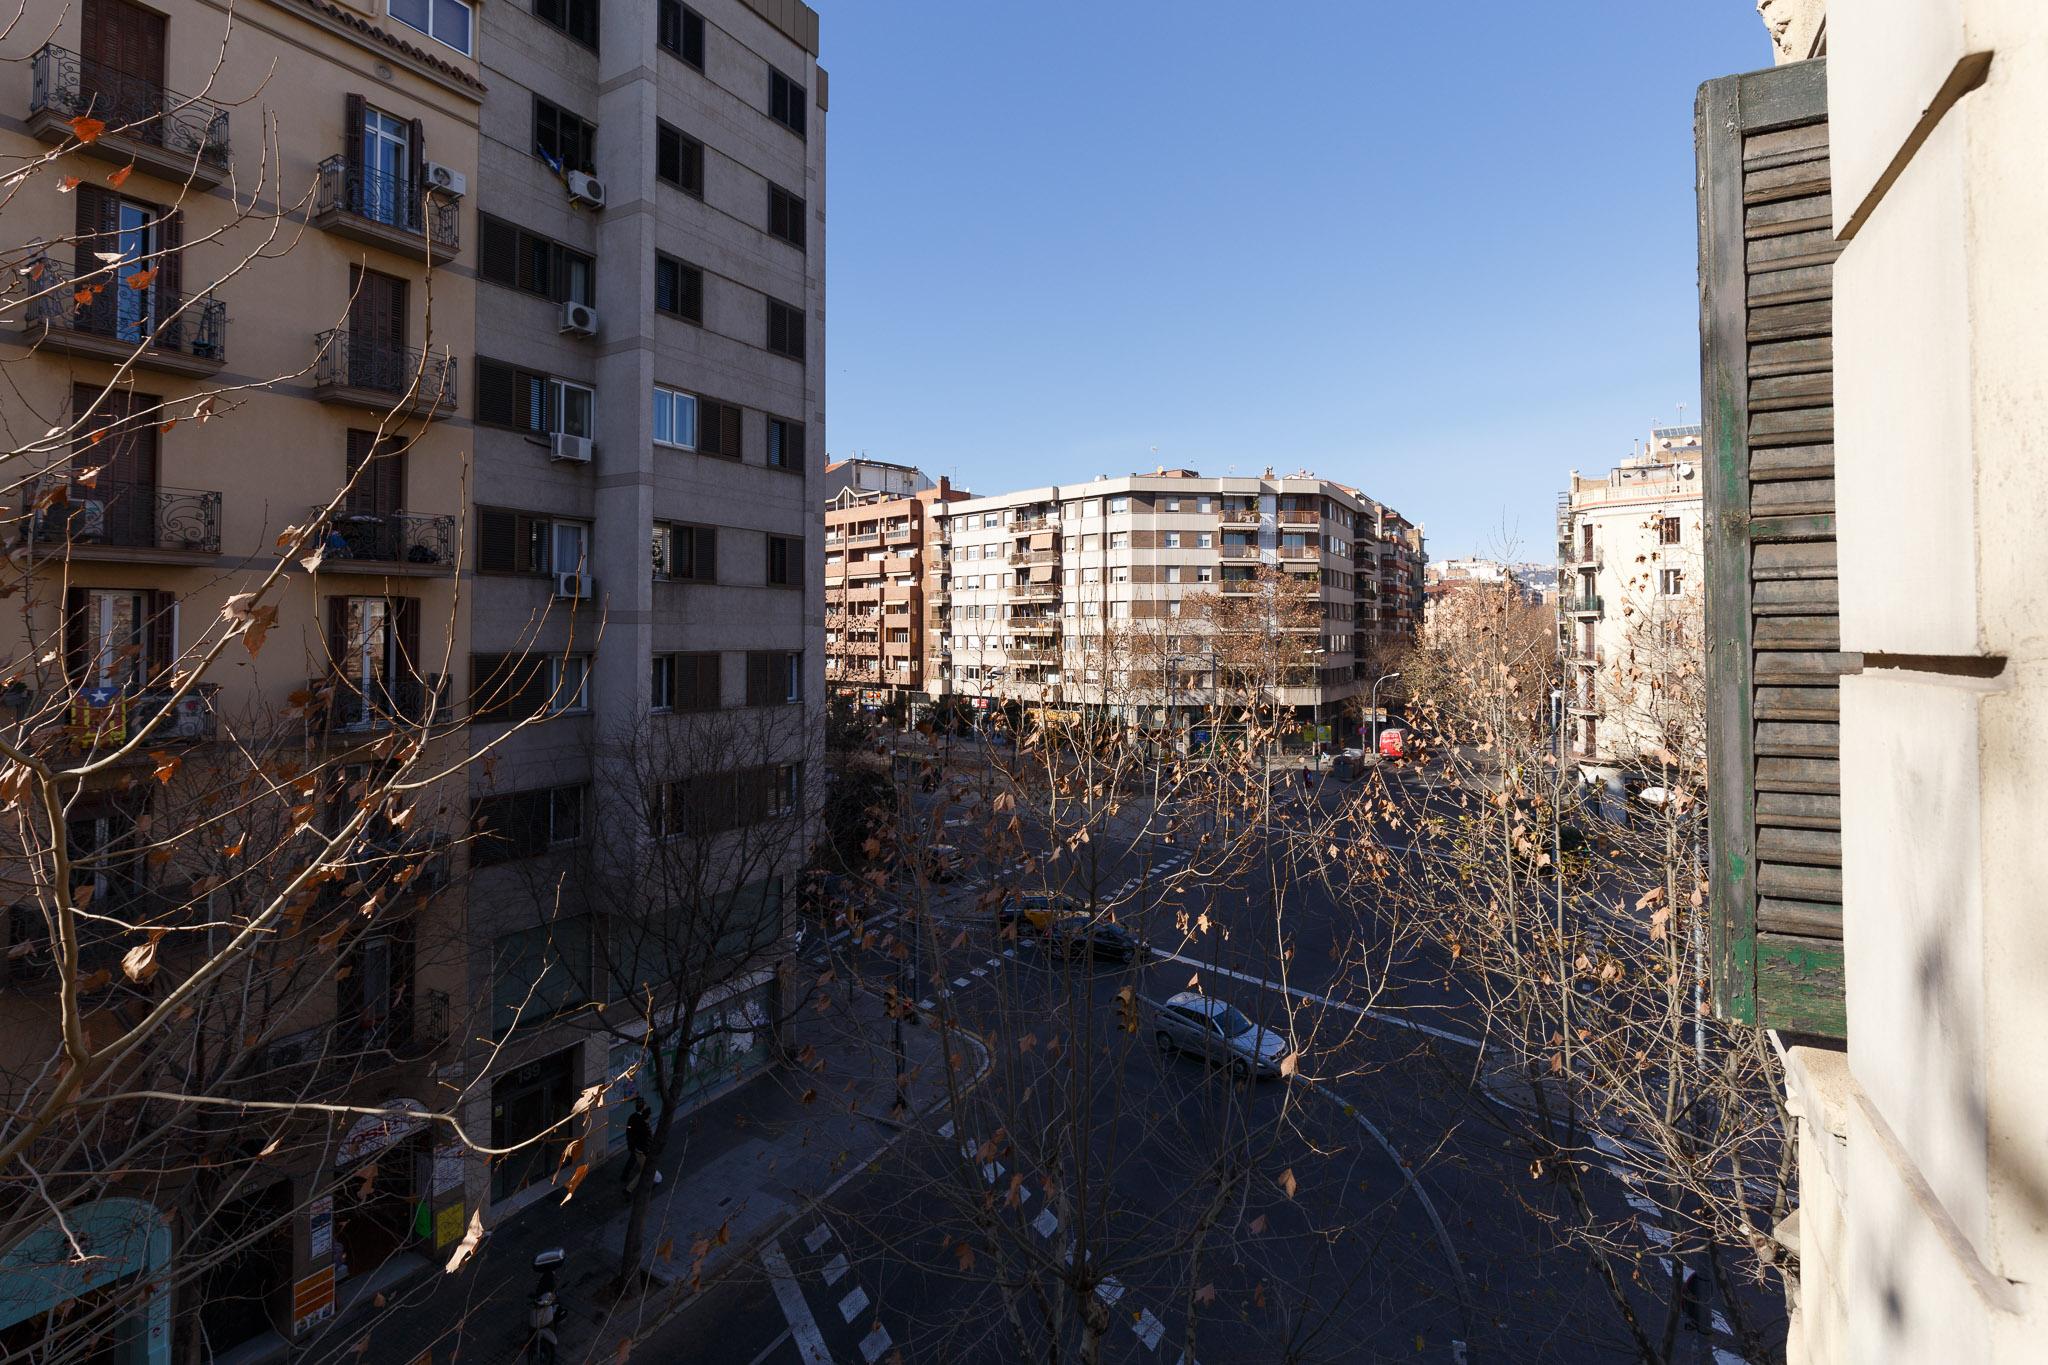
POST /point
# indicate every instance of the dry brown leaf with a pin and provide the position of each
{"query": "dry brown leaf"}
(138, 964)
(86, 128)
(466, 1248)
(1287, 1182)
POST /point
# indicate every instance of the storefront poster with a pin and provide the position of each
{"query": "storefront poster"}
(448, 1226)
(313, 1299)
(320, 1228)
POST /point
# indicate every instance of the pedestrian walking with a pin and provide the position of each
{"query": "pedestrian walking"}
(639, 1137)
(1692, 1297)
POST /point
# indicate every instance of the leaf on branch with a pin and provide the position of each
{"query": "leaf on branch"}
(1027, 1042)
(86, 128)
(167, 765)
(141, 279)
(81, 895)
(1259, 1295)
(1015, 1198)
(67, 184)
(590, 1096)
(575, 1179)
(1257, 1226)
(471, 1240)
(667, 1250)
(119, 178)
(138, 964)
(964, 1255)
(1287, 1182)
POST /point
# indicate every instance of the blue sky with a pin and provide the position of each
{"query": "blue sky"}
(1445, 266)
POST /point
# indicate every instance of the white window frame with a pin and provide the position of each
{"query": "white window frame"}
(675, 401)
(568, 684)
(1172, 541)
(558, 401)
(432, 12)
(1119, 503)
(661, 693)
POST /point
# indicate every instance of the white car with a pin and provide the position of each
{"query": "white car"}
(1190, 1022)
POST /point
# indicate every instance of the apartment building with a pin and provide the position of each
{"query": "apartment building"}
(650, 229)
(883, 553)
(874, 476)
(1872, 359)
(267, 360)
(1630, 605)
(1073, 598)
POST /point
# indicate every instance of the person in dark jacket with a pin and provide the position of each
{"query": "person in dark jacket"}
(639, 1137)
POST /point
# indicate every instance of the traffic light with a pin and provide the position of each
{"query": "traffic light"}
(1127, 1010)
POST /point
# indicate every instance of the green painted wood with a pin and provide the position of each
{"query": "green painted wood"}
(1803, 987)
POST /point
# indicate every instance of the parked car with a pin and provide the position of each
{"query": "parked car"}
(1026, 911)
(941, 862)
(1079, 934)
(1191, 1022)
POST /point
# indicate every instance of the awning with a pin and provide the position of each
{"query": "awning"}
(1041, 540)
(374, 1132)
(1041, 573)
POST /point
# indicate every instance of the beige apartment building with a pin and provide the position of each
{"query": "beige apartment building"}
(885, 565)
(1072, 598)
(236, 287)
(1630, 605)
(1873, 284)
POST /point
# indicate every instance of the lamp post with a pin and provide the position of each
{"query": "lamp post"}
(1376, 707)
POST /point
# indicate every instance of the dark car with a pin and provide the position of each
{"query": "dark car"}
(1079, 935)
(941, 862)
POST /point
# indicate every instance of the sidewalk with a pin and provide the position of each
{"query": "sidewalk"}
(734, 1172)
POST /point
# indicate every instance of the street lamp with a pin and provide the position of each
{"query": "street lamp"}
(1376, 707)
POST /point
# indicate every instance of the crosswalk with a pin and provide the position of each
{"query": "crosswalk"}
(831, 1319)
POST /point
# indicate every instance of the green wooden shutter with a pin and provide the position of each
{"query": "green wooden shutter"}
(1767, 252)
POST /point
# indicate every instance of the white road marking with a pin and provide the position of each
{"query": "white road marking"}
(803, 1328)
(1110, 1290)
(874, 1343)
(850, 1306)
(990, 1172)
(946, 1128)
(978, 971)
(835, 1270)
(927, 1003)
(1149, 1329)
(815, 1239)
(959, 981)
(1461, 1039)
(1047, 1223)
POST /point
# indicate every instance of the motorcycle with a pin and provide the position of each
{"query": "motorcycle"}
(543, 1308)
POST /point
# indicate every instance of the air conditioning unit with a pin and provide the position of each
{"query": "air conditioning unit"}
(586, 189)
(579, 318)
(569, 449)
(574, 586)
(446, 180)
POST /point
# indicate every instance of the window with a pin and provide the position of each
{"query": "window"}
(527, 400)
(516, 542)
(785, 444)
(1205, 574)
(718, 428)
(445, 21)
(568, 682)
(540, 972)
(1172, 540)
(1119, 504)
(515, 687)
(118, 637)
(785, 216)
(1668, 531)
(1120, 574)
(1120, 610)
(510, 255)
(1204, 540)
(675, 418)
(989, 520)
(525, 824)
(785, 562)
(686, 554)
(678, 289)
(1119, 540)
(687, 682)
(563, 140)
(785, 330)
(679, 159)
(577, 18)
(1202, 505)
(661, 692)
(785, 787)
(1671, 582)
(786, 102)
(774, 677)
(1091, 575)
(680, 30)
(571, 415)
(1173, 574)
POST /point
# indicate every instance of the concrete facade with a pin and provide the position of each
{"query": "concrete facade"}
(1921, 1232)
(1036, 579)
(1630, 601)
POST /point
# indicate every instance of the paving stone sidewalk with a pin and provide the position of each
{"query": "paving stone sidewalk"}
(736, 1170)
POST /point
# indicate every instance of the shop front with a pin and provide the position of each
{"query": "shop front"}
(526, 1103)
(735, 1038)
(103, 1304)
(380, 1208)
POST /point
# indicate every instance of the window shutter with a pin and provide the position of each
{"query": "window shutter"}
(693, 39)
(1774, 660)
(162, 637)
(704, 566)
(668, 153)
(77, 631)
(760, 678)
(337, 632)
(710, 682)
(497, 393)
(497, 250)
(355, 115)
(170, 268)
(693, 293)
(778, 327)
(405, 611)
(778, 212)
(497, 540)
(97, 229)
(729, 430)
(415, 188)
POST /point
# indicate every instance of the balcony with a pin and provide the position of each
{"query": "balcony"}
(1238, 587)
(412, 543)
(1028, 654)
(160, 131)
(362, 372)
(1024, 556)
(112, 520)
(1585, 557)
(1238, 551)
(1241, 516)
(859, 648)
(381, 209)
(1034, 625)
(1589, 656)
(1034, 592)
(1589, 605)
(898, 535)
(345, 707)
(865, 538)
(1035, 523)
(1300, 551)
(1300, 518)
(193, 719)
(105, 319)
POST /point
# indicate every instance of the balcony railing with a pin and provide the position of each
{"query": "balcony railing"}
(1583, 606)
(62, 509)
(1034, 592)
(1298, 517)
(1034, 556)
(65, 85)
(423, 540)
(108, 721)
(865, 538)
(343, 705)
(106, 317)
(369, 371)
(1238, 551)
(383, 208)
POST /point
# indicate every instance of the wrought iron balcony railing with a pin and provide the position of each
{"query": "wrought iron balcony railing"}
(345, 705)
(108, 309)
(70, 86)
(425, 540)
(350, 360)
(61, 508)
(395, 202)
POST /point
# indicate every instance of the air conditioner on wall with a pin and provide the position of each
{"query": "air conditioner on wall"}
(586, 189)
(569, 449)
(447, 180)
(579, 318)
(574, 586)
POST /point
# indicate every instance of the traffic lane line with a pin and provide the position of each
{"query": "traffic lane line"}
(803, 1327)
(1359, 1011)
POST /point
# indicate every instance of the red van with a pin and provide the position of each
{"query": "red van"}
(1393, 743)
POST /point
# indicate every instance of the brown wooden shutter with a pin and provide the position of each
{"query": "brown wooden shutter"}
(710, 681)
(497, 540)
(1767, 252)
(97, 226)
(355, 114)
(497, 250)
(415, 190)
(704, 565)
(405, 613)
(497, 393)
(729, 431)
(77, 633)
(337, 631)
(162, 637)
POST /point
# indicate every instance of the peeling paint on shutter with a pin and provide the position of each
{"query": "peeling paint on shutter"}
(1767, 252)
